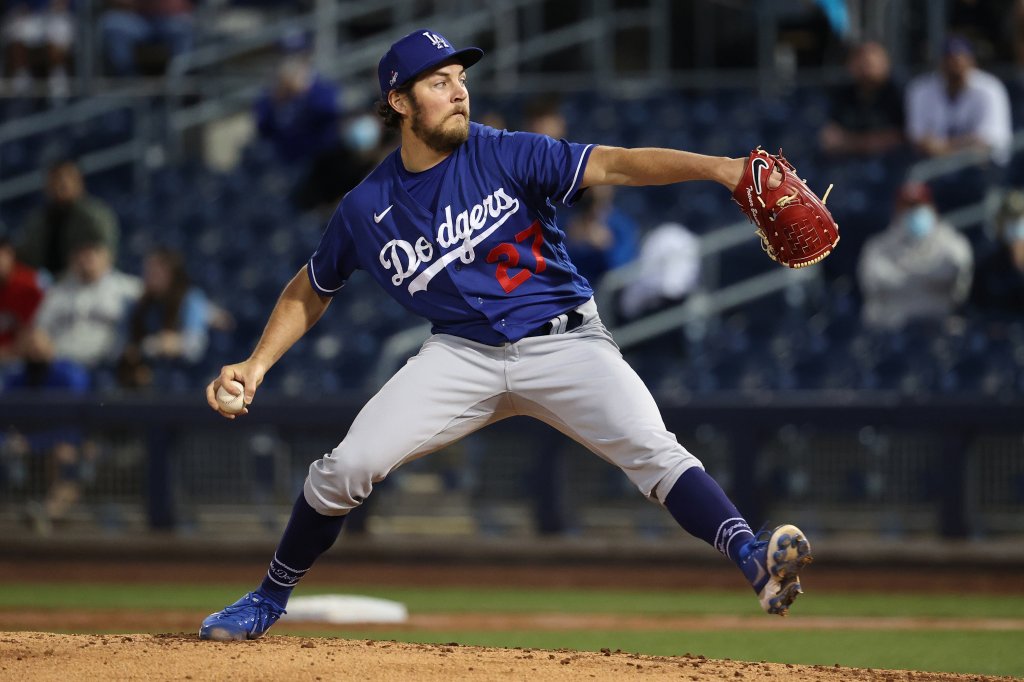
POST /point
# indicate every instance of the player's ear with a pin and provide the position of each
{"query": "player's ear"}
(399, 102)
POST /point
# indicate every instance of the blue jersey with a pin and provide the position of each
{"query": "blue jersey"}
(489, 263)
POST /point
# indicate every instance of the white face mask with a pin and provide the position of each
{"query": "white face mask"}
(919, 221)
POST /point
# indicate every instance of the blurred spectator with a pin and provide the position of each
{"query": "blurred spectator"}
(493, 118)
(170, 321)
(959, 107)
(128, 25)
(599, 236)
(999, 281)
(39, 368)
(300, 115)
(918, 269)
(68, 456)
(69, 218)
(866, 115)
(1017, 32)
(984, 23)
(544, 116)
(20, 294)
(85, 313)
(668, 270)
(364, 144)
(38, 35)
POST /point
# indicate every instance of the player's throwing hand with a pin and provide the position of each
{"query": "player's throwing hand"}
(248, 373)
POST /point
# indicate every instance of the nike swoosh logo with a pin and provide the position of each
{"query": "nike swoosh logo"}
(377, 218)
(757, 166)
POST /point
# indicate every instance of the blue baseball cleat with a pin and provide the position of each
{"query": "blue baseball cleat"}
(773, 567)
(247, 618)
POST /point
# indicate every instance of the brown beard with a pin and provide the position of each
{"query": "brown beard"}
(441, 138)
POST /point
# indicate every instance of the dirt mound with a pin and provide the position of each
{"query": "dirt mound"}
(26, 656)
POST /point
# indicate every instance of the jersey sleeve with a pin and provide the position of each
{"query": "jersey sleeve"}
(552, 167)
(334, 259)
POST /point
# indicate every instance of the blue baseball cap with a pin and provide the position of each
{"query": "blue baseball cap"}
(415, 53)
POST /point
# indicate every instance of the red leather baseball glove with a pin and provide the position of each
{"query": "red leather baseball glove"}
(795, 227)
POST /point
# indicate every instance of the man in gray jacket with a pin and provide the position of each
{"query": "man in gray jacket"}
(68, 219)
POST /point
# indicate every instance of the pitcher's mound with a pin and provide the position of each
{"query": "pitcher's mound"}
(26, 656)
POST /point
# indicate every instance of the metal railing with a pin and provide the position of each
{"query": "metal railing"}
(835, 461)
(128, 152)
(464, 21)
(516, 29)
(206, 73)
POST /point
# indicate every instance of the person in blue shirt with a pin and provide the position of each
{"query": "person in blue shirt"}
(458, 225)
(127, 24)
(300, 114)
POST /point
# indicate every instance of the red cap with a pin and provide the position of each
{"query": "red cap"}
(913, 193)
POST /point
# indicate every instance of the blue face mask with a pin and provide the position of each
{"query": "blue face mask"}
(919, 221)
(362, 134)
(1015, 231)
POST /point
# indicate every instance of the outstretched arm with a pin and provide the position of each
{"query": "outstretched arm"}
(297, 309)
(656, 166)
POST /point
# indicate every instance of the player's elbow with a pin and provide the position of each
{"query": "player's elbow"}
(608, 166)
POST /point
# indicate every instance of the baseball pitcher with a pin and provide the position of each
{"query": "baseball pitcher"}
(459, 226)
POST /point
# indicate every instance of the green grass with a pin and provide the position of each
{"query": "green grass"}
(534, 600)
(986, 653)
(993, 652)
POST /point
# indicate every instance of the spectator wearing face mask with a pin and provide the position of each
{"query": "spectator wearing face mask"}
(998, 289)
(918, 270)
(301, 117)
(363, 145)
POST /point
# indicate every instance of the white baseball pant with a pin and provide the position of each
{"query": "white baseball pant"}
(575, 381)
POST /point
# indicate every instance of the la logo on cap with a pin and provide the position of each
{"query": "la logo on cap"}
(438, 42)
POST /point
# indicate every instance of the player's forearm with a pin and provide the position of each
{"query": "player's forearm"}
(298, 308)
(657, 166)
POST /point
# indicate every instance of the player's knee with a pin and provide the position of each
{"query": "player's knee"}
(658, 466)
(671, 473)
(340, 484)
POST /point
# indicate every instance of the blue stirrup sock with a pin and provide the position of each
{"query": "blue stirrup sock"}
(308, 535)
(701, 507)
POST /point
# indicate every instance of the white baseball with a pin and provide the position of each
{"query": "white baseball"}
(230, 402)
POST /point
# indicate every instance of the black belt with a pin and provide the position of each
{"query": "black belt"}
(549, 327)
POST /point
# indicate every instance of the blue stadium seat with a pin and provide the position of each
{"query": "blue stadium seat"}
(772, 345)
